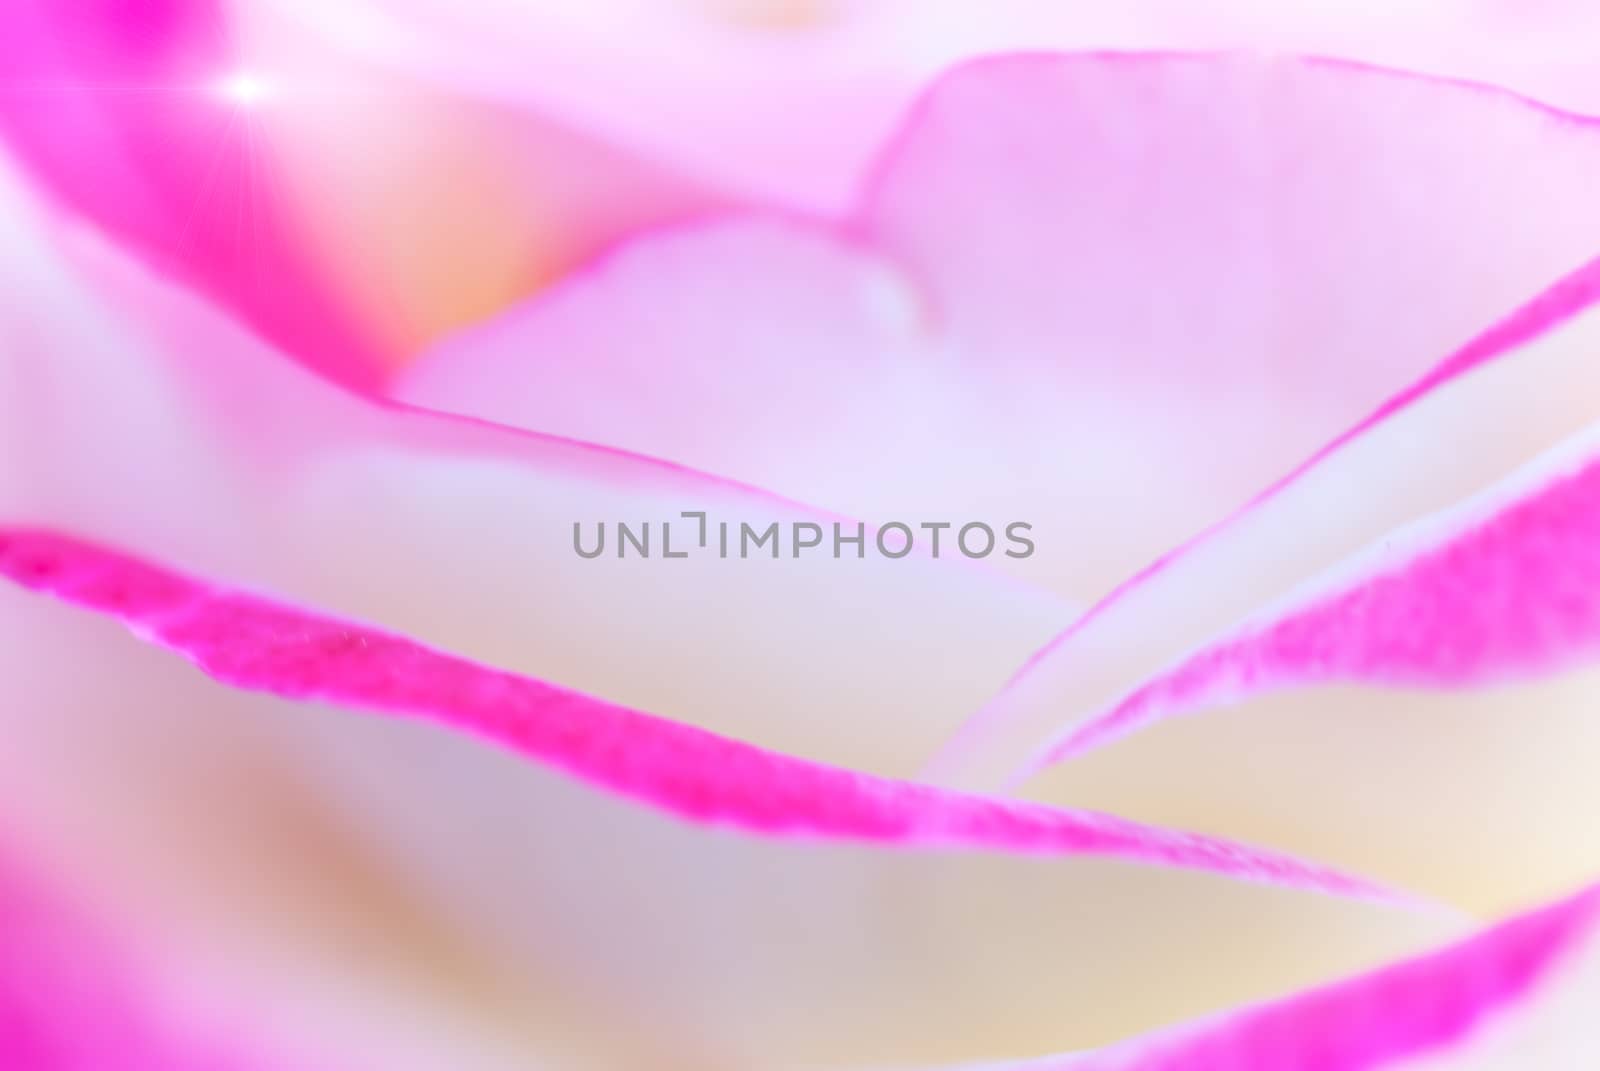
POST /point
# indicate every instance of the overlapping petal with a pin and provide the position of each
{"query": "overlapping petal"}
(955, 369)
(802, 909)
(1496, 590)
(1517, 995)
(778, 351)
(1068, 274)
(697, 81)
(257, 644)
(115, 107)
(772, 100)
(1504, 764)
(972, 316)
(310, 207)
(143, 416)
(251, 470)
(1182, 274)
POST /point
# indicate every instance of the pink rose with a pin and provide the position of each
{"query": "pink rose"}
(1282, 365)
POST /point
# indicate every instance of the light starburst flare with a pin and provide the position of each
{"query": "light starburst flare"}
(244, 88)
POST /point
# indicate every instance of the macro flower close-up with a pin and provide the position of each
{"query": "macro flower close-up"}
(844, 535)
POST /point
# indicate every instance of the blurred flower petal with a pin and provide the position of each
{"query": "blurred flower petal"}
(1495, 590)
(70, 1000)
(1151, 254)
(145, 417)
(117, 108)
(430, 209)
(742, 104)
(178, 818)
(774, 350)
(257, 644)
(342, 873)
(782, 931)
(299, 186)
(1518, 995)
(698, 82)
(1456, 772)
(1242, 253)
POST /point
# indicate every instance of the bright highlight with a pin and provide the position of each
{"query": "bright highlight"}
(243, 88)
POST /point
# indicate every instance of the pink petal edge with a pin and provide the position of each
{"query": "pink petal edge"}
(1552, 307)
(1511, 588)
(1410, 1010)
(255, 644)
(889, 154)
(1036, 306)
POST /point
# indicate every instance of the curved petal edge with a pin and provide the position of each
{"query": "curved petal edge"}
(255, 644)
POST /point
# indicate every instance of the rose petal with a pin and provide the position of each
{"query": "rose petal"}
(1489, 608)
(257, 644)
(787, 117)
(1184, 272)
(85, 986)
(428, 209)
(1517, 995)
(139, 414)
(69, 1000)
(311, 209)
(773, 350)
(1528, 377)
(1497, 589)
(1241, 253)
(1506, 766)
(114, 106)
(839, 72)
(183, 827)
(717, 945)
